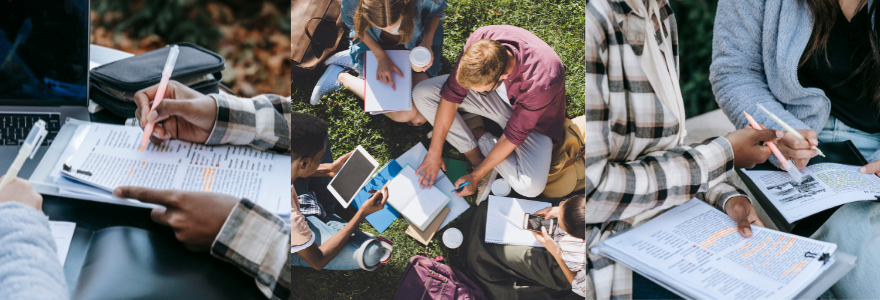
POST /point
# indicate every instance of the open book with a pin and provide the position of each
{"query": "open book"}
(108, 157)
(419, 206)
(824, 186)
(380, 97)
(695, 251)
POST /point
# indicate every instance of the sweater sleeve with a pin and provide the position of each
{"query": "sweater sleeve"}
(29, 265)
(737, 73)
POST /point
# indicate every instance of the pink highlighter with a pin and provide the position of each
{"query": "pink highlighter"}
(160, 94)
(789, 166)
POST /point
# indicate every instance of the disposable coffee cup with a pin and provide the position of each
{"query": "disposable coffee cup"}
(500, 187)
(419, 58)
(452, 238)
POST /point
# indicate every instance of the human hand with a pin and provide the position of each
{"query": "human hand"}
(427, 44)
(741, 211)
(797, 149)
(469, 189)
(548, 212)
(429, 168)
(375, 203)
(748, 150)
(336, 165)
(546, 240)
(871, 168)
(21, 191)
(196, 217)
(385, 71)
(185, 114)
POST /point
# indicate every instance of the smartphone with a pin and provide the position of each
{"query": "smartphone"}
(534, 223)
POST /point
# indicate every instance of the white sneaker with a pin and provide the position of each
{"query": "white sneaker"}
(341, 58)
(327, 84)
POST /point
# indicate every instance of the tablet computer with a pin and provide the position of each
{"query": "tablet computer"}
(351, 178)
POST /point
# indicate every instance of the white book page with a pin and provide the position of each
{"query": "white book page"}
(108, 157)
(699, 248)
(413, 202)
(824, 186)
(380, 97)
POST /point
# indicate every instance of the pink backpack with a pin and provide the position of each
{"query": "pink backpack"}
(426, 278)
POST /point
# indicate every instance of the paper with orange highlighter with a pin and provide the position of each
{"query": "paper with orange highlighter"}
(109, 156)
(696, 251)
(160, 93)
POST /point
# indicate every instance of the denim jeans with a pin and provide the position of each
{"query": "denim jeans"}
(347, 259)
(835, 131)
(855, 227)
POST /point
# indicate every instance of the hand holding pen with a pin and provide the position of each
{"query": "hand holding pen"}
(799, 145)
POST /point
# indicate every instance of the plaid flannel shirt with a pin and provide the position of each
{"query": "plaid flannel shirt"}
(255, 239)
(635, 167)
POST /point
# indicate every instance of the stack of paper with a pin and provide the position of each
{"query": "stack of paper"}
(107, 157)
(696, 251)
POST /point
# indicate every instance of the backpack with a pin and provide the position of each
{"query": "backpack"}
(567, 167)
(316, 29)
(426, 278)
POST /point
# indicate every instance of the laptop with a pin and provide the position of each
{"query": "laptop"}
(44, 71)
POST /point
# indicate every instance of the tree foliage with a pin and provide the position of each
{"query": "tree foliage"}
(695, 24)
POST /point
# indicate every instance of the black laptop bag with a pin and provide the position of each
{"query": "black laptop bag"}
(114, 85)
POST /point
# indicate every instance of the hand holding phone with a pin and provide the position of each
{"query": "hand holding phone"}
(534, 223)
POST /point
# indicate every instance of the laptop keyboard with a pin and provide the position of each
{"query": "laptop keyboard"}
(14, 128)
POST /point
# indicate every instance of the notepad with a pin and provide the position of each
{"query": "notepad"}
(380, 97)
(419, 206)
(425, 236)
(62, 232)
(504, 221)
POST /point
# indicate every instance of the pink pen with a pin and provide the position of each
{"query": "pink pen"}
(789, 166)
(160, 94)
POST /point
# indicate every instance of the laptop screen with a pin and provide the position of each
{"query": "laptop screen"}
(44, 52)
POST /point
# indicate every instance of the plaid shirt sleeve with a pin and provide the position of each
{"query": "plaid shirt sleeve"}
(262, 122)
(256, 240)
(628, 170)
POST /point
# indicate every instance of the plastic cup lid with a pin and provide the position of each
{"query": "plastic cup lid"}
(500, 187)
(420, 56)
(452, 238)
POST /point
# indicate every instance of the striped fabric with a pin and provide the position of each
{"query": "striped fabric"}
(252, 238)
(635, 167)
(574, 253)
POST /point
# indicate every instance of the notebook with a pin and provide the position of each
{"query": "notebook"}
(378, 96)
(425, 236)
(419, 206)
(504, 221)
(457, 205)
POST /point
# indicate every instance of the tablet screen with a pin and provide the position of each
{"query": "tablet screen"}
(356, 170)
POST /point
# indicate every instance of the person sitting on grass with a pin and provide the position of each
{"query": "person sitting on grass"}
(320, 238)
(523, 272)
(379, 25)
(29, 265)
(512, 77)
(232, 229)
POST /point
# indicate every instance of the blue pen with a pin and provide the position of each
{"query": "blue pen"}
(461, 187)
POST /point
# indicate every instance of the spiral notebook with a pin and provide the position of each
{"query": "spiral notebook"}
(378, 96)
(505, 219)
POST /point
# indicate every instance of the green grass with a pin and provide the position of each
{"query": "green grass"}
(559, 23)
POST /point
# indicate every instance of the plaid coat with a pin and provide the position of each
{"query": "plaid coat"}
(635, 167)
(254, 239)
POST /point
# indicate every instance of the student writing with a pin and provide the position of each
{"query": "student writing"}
(636, 164)
(379, 25)
(814, 64)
